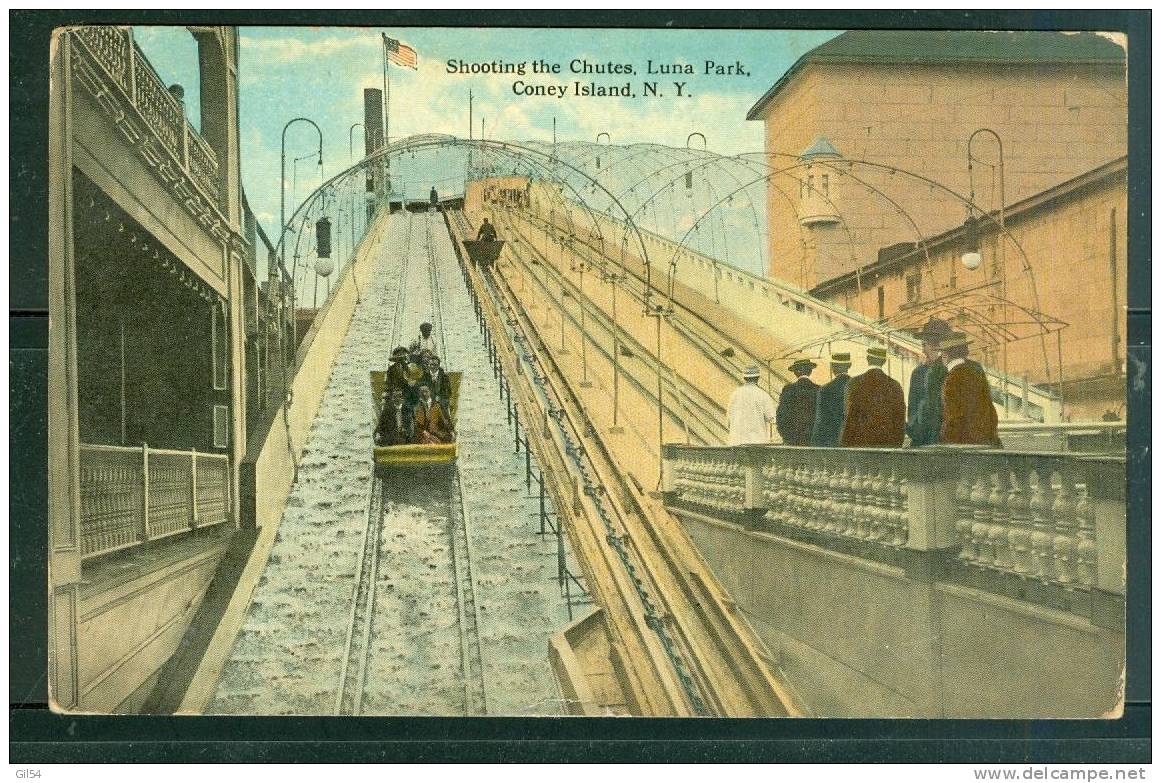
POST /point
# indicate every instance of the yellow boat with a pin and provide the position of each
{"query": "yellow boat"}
(413, 455)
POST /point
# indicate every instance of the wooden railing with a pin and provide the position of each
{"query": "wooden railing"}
(133, 495)
(123, 62)
(1035, 525)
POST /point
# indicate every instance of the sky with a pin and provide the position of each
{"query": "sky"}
(320, 73)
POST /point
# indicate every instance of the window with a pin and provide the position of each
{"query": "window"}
(913, 288)
(221, 427)
(951, 277)
(826, 184)
(882, 304)
(219, 350)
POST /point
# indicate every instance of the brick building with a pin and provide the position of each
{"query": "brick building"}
(871, 132)
(911, 100)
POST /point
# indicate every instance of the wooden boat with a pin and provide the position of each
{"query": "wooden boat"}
(483, 253)
(412, 454)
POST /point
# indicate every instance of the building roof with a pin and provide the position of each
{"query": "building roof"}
(952, 46)
(820, 148)
(903, 254)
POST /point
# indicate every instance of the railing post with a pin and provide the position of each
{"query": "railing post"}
(193, 485)
(540, 481)
(931, 498)
(132, 66)
(144, 491)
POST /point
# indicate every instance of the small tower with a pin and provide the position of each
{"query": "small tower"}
(815, 207)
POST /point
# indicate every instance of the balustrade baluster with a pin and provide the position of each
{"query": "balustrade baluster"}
(144, 491)
(997, 529)
(1060, 555)
(897, 531)
(1019, 524)
(1086, 554)
(980, 517)
(1040, 502)
(193, 486)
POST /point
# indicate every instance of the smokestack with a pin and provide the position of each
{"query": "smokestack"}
(373, 119)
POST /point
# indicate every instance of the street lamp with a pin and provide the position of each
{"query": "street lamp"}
(282, 215)
(351, 140)
(1001, 262)
(580, 266)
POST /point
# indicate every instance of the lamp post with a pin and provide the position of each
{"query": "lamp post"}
(564, 293)
(294, 174)
(580, 266)
(351, 140)
(282, 218)
(659, 311)
(1001, 261)
(614, 279)
(609, 140)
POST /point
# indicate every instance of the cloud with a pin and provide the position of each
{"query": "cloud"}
(293, 50)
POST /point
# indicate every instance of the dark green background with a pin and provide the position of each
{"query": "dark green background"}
(37, 735)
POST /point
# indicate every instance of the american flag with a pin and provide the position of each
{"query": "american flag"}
(400, 53)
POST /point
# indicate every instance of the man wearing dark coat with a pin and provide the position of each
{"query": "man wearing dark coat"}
(795, 415)
(438, 381)
(830, 410)
(487, 232)
(925, 390)
(396, 425)
(969, 416)
(876, 415)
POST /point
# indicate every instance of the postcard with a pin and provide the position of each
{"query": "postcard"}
(600, 372)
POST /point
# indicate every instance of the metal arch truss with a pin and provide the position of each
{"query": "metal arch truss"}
(581, 177)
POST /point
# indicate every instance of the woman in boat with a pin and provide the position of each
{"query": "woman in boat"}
(400, 377)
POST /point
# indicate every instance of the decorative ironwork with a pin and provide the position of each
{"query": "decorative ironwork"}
(111, 499)
(203, 165)
(132, 495)
(108, 53)
(109, 46)
(162, 112)
(170, 494)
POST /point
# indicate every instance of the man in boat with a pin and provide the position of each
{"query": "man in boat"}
(434, 199)
(437, 380)
(425, 343)
(487, 232)
(396, 426)
(431, 422)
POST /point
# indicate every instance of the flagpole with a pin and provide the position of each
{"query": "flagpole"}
(386, 98)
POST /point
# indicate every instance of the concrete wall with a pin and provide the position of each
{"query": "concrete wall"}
(858, 638)
(127, 631)
(1055, 121)
(269, 466)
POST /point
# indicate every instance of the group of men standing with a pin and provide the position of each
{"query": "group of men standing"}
(949, 401)
(417, 397)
